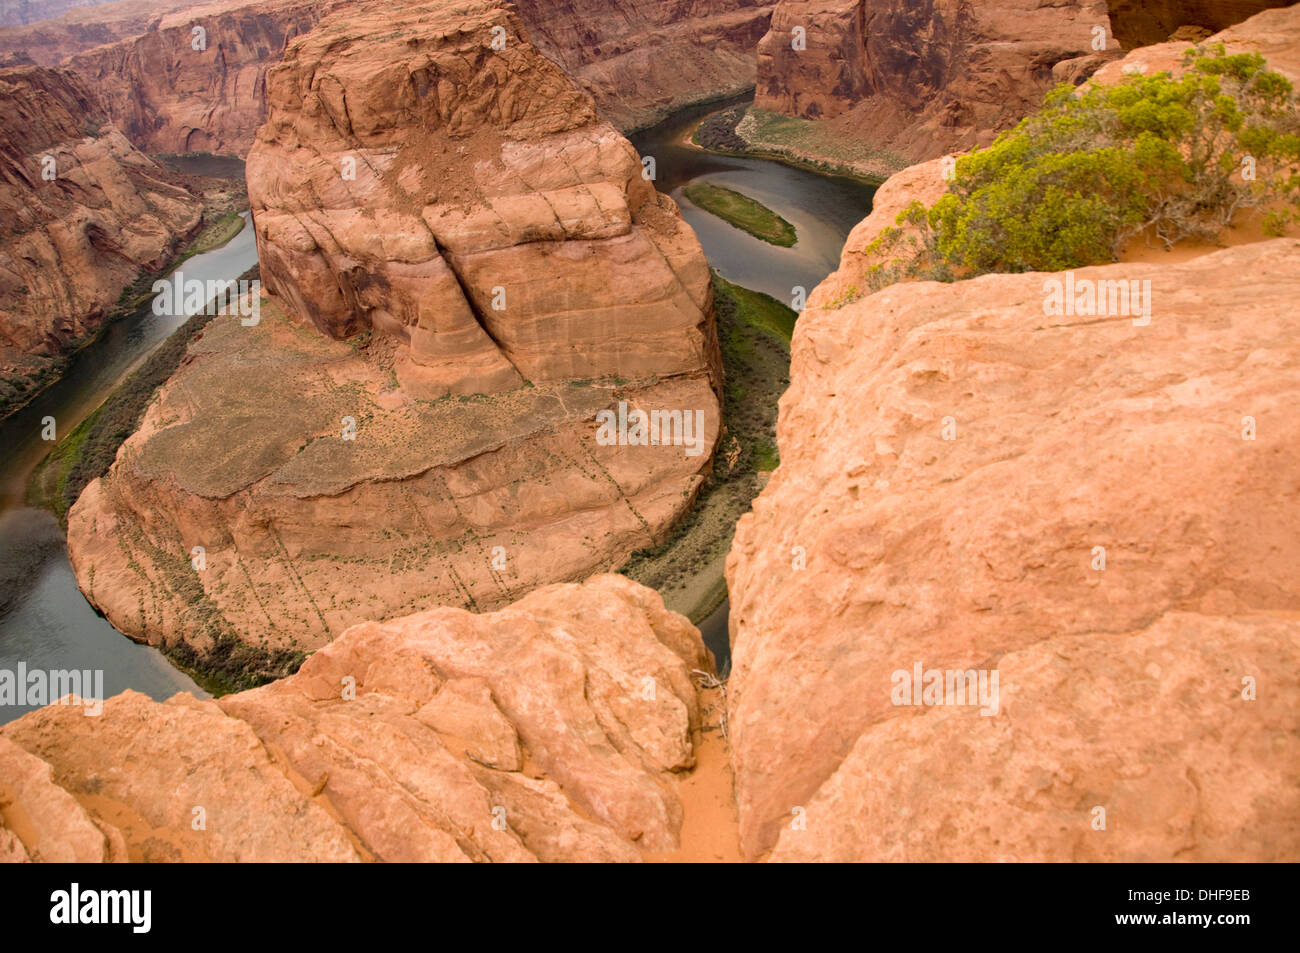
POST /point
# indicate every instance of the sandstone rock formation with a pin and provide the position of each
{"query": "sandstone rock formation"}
(1274, 34)
(551, 730)
(640, 60)
(448, 452)
(1148, 22)
(1102, 513)
(924, 79)
(82, 213)
(173, 91)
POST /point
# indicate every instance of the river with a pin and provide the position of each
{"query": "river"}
(45, 621)
(823, 209)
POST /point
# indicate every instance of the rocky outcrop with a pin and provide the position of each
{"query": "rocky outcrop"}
(446, 451)
(428, 203)
(642, 60)
(1274, 34)
(1147, 22)
(924, 79)
(552, 730)
(174, 90)
(1099, 513)
(82, 214)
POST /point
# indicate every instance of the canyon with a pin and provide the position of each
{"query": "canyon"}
(82, 214)
(416, 417)
(392, 479)
(640, 60)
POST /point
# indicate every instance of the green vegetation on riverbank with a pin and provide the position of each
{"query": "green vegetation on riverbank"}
(88, 451)
(754, 332)
(16, 391)
(226, 664)
(743, 212)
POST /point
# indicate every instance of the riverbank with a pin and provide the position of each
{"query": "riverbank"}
(224, 200)
(754, 331)
(87, 452)
(745, 130)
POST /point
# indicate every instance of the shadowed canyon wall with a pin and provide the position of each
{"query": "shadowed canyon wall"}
(1146, 22)
(82, 213)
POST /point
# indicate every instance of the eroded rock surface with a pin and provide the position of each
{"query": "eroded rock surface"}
(641, 59)
(82, 214)
(447, 452)
(1102, 513)
(551, 730)
(1148, 22)
(173, 90)
(920, 80)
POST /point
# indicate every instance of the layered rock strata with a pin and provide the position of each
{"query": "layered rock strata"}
(195, 81)
(641, 60)
(445, 450)
(82, 214)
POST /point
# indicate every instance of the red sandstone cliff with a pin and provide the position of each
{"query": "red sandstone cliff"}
(640, 60)
(172, 90)
(918, 80)
(71, 241)
(496, 273)
(1101, 513)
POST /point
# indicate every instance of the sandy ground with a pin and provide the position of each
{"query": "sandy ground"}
(710, 826)
(1248, 228)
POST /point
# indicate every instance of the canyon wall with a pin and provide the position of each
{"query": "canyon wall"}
(527, 734)
(641, 60)
(920, 79)
(1147, 22)
(917, 80)
(82, 213)
(473, 268)
(173, 91)
(1099, 512)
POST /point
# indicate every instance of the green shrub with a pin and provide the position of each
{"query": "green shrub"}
(1072, 185)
